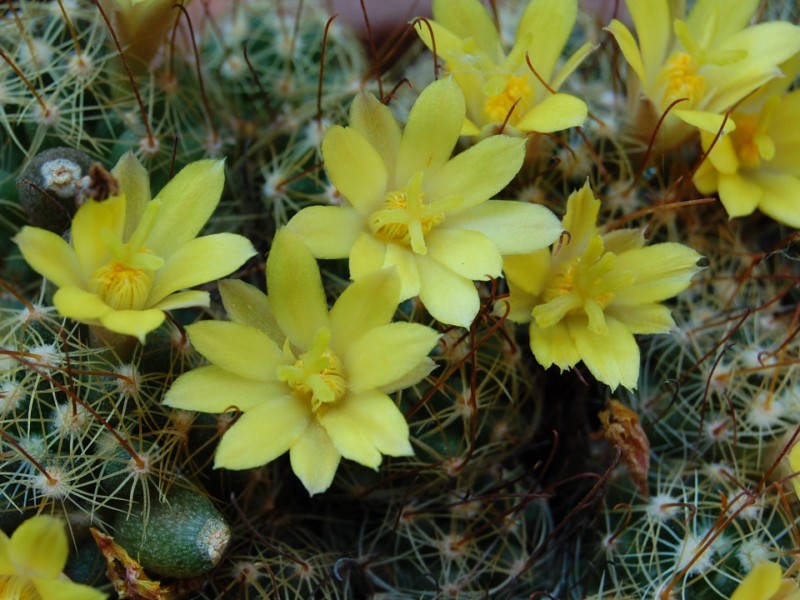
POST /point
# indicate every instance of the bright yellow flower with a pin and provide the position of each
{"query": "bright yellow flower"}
(711, 57)
(416, 209)
(32, 561)
(308, 381)
(466, 38)
(765, 582)
(129, 255)
(587, 300)
(142, 26)
(758, 165)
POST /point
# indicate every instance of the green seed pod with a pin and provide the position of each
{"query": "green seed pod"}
(52, 185)
(181, 537)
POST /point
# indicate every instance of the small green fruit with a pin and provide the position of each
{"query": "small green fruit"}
(182, 537)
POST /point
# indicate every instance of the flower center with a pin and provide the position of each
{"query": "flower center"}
(497, 107)
(744, 141)
(13, 587)
(121, 286)
(682, 80)
(406, 218)
(317, 375)
(581, 286)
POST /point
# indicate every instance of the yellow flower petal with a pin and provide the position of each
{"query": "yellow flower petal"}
(355, 168)
(247, 305)
(375, 121)
(553, 346)
(555, 113)
(199, 261)
(134, 184)
(78, 304)
(64, 589)
(413, 377)
(517, 307)
(314, 459)
(622, 240)
(627, 44)
(263, 433)
(448, 297)
(528, 271)
(653, 24)
(187, 202)
(363, 426)
(739, 195)
(643, 318)
(478, 173)
(28, 541)
(766, 45)
(294, 288)
(661, 271)
(386, 353)
(432, 130)
(761, 583)
(6, 566)
(137, 323)
(232, 346)
(545, 27)
(449, 47)
(572, 63)
(212, 389)
(328, 231)
(468, 19)
(184, 300)
(580, 222)
(367, 256)
(781, 197)
(467, 253)
(794, 464)
(50, 256)
(612, 358)
(705, 121)
(514, 227)
(364, 305)
(88, 226)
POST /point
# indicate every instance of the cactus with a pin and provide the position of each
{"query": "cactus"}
(519, 485)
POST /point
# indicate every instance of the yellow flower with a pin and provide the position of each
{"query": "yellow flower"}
(758, 165)
(587, 300)
(466, 38)
(307, 380)
(416, 209)
(765, 582)
(129, 256)
(142, 26)
(711, 57)
(32, 561)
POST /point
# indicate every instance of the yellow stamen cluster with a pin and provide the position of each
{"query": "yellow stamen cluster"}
(743, 138)
(121, 286)
(498, 107)
(405, 218)
(683, 81)
(317, 376)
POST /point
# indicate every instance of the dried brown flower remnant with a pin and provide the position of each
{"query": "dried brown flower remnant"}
(622, 428)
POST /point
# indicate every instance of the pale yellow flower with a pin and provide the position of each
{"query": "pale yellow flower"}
(492, 81)
(587, 299)
(711, 57)
(32, 561)
(142, 26)
(129, 256)
(308, 381)
(415, 208)
(765, 582)
(757, 166)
